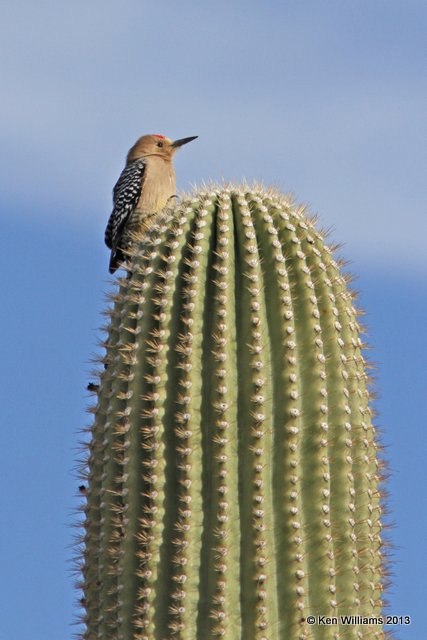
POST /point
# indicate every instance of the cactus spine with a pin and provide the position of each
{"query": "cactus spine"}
(233, 480)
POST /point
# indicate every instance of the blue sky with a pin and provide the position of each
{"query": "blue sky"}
(324, 99)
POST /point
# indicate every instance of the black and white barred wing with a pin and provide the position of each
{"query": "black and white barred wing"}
(126, 194)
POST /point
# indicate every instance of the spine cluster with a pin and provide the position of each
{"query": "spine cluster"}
(232, 471)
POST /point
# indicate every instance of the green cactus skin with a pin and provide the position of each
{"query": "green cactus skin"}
(233, 476)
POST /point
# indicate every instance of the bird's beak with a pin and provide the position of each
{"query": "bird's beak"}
(179, 143)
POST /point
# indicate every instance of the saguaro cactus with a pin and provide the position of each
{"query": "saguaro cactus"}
(233, 480)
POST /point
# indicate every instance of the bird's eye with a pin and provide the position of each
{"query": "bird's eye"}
(160, 144)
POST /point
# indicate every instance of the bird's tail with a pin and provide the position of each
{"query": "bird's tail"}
(116, 259)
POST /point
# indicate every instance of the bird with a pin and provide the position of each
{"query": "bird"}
(146, 186)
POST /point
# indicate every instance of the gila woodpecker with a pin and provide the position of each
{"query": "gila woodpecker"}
(146, 186)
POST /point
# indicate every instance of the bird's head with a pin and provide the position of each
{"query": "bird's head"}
(156, 145)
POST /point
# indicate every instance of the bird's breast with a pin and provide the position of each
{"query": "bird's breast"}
(158, 187)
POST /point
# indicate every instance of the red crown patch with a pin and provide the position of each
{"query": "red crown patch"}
(157, 135)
